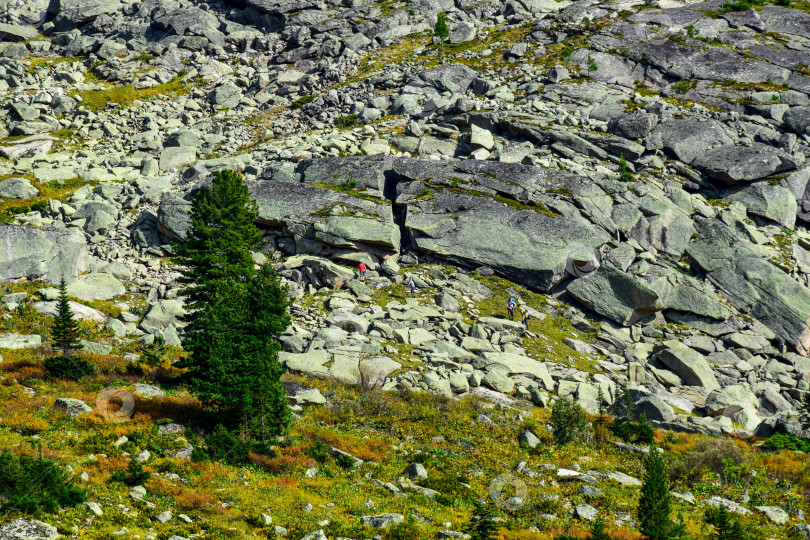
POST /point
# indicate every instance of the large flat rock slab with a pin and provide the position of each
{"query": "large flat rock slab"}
(27, 252)
(616, 295)
(731, 164)
(523, 245)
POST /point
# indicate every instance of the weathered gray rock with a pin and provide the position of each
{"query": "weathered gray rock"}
(798, 119)
(41, 253)
(72, 407)
(101, 286)
(730, 400)
(331, 275)
(775, 514)
(311, 363)
(513, 364)
(80, 311)
(338, 453)
(316, 535)
(772, 202)
(752, 284)
(28, 529)
(304, 395)
(174, 157)
(687, 363)
(689, 139)
(383, 521)
(20, 341)
(632, 126)
(655, 408)
(17, 188)
(586, 512)
(164, 313)
(455, 78)
(321, 219)
(529, 439)
(14, 32)
(616, 295)
(188, 20)
(415, 471)
(76, 13)
(524, 245)
(731, 164)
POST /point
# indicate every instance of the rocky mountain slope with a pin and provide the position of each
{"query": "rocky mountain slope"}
(633, 172)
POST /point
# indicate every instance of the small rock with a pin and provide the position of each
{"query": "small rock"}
(383, 521)
(72, 407)
(415, 471)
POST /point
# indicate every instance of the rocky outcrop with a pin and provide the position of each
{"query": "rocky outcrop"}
(31, 253)
(752, 284)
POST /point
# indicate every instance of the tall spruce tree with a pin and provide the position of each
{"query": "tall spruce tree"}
(223, 233)
(234, 367)
(655, 504)
(65, 329)
(236, 313)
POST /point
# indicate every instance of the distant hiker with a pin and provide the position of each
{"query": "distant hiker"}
(411, 286)
(362, 268)
(511, 304)
(524, 313)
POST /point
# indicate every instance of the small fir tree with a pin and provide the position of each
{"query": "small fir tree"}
(135, 475)
(600, 425)
(65, 329)
(592, 67)
(726, 526)
(623, 406)
(655, 504)
(441, 30)
(598, 530)
(482, 524)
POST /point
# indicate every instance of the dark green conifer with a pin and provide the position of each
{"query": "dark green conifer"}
(482, 524)
(655, 504)
(236, 313)
(65, 329)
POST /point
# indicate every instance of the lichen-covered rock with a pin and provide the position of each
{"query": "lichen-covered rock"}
(616, 295)
(752, 284)
(27, 252)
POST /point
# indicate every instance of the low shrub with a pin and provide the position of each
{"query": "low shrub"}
(318, 450)
(135, 475)
(226, 447)
(407, 530)
(719, 456)
(568, 421)
(633, 432)
(99, 443)
(158, 444)
(32, 485)
(350, 120)
(300, 102)
(452, 489)
(229, 448)
(68, 367)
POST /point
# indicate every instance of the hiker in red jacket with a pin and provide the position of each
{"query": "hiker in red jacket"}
(362, 268)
